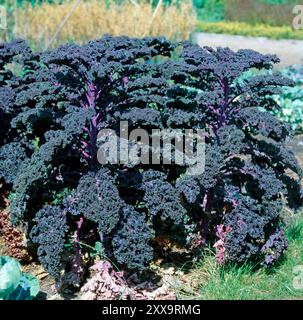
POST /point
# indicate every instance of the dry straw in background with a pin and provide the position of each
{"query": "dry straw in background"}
(92, 18)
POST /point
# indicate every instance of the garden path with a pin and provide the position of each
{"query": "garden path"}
(289, 51)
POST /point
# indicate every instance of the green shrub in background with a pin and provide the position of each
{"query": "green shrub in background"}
(291, 101)
(14, 284)
(210, 10)
(245, 29)
(275, 13)
(11, 6)
(272, 12)
(278, 2)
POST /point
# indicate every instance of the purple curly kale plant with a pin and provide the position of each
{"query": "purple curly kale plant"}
(55, 108)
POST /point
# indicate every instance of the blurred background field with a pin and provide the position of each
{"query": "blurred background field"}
(267, 18)
(38, 20)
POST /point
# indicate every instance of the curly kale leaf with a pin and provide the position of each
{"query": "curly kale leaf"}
(12, 156)
(274, 247)
(162, 198)
(97, 198)
(131, 242)
(49, 235)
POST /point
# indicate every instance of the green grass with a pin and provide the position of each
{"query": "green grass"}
(245, 29)
(247, 283)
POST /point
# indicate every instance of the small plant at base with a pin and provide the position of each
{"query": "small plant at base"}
(14, 284)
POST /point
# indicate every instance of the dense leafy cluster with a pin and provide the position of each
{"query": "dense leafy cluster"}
(49, 234)
(62, 98)
(131, 242)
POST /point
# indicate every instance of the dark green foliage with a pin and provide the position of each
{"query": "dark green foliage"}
(11, 157)
(63, 97)
(162, 198)
(131, 243)
(49, 234)
(97, 198)
(210, 10)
